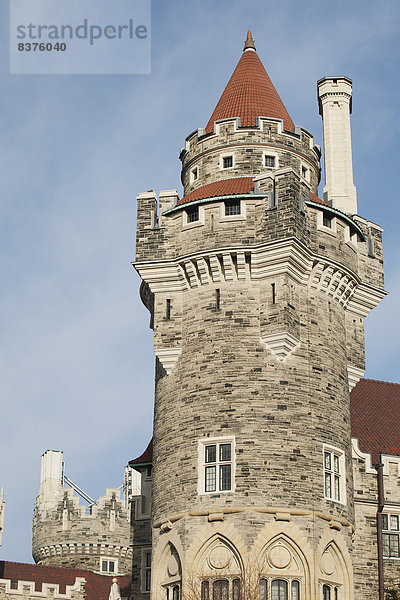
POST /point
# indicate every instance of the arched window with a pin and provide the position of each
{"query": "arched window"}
(175, 592)
(220, 590)
(336, 593)
(326, 592)
(295, 590)
(205, 590)
(263, 589)
(236, 589)
(279, 590)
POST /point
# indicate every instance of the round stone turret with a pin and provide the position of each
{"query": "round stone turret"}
(68, 534)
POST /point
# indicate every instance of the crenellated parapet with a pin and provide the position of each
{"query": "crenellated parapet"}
(253, 151)
(66, 533)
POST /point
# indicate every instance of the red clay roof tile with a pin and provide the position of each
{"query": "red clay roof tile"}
(314, 198)
(144, 458)
(225, 187)
(375, 417)
(97, 586)
(250, 94)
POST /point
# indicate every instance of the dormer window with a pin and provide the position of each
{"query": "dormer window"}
(227, 162)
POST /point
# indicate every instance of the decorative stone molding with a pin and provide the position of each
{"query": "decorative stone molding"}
(255, 263)
(354, 375)
(166, 526)
(168, 357)
(334, 280)
(79, 549)
(49, 590)
(335, 525)
(357, 453)
(281, 344)
(364, 299)
(216, 517)
(282, 517)
(293, 512)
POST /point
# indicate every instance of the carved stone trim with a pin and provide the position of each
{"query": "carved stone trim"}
(281, 344)
(255, 263)
(168, 357)
(354, 375)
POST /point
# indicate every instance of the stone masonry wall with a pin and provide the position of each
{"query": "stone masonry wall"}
(366, 506)
(248, 147)
(68, 537)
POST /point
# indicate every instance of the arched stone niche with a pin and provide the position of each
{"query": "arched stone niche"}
(218, 557)
(333, 572)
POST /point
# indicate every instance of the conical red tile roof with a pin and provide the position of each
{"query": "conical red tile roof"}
(250, 94)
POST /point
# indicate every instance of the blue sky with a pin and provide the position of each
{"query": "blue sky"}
(76, 362)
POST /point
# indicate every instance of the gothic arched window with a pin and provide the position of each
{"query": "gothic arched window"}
(263, 589)
(295, 590)
(220, 590)
(205, 590)
(279, 590)
(326, 592)
(175, 592)
(236, 589)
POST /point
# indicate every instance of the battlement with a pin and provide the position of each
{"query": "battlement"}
(67, 533)
(252, 150)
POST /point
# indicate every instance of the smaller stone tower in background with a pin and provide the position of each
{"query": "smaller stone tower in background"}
(65, 533)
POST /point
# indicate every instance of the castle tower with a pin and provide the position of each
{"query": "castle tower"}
(66, 533)
(257, 291)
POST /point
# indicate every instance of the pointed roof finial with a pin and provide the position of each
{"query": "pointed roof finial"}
(249, 43)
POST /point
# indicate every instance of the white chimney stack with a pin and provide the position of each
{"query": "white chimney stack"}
(50, 476)
(334, 98)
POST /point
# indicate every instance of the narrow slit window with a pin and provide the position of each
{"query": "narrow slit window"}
(205, 590)
(326, 592)
(273, 290)
(168, 309)
(218, 298)
(263, 589)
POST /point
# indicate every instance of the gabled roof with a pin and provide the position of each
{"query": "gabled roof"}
(144, 459)
(375, 417)
(250, 94)
(225, 187)
(97, 586)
